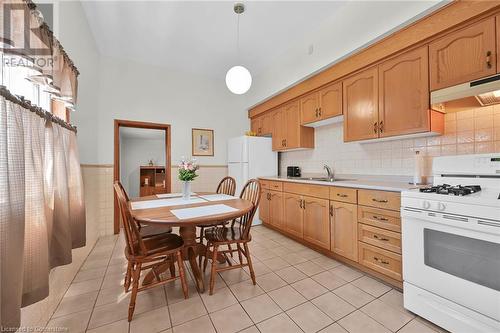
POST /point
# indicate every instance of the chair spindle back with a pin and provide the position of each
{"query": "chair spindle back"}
(227, 186)
(250, 192)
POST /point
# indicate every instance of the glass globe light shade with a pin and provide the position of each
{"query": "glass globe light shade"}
(238, 80)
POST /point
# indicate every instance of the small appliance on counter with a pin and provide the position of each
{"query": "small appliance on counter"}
(293, 171)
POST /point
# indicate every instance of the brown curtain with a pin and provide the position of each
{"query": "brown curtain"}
(42, 208)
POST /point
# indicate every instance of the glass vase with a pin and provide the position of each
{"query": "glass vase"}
(186, 190)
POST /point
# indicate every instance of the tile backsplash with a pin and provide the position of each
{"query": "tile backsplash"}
(472, 131)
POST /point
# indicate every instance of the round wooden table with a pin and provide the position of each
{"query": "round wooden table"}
(163, 216)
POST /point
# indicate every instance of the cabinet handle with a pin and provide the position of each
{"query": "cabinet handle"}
(379, 200)
(316, 113)
(381, 126)
(375, 130)
(303, 204)
(342, 195)
(269, 196)
(380, 238)
(331, 210)
(300, 203)
(285, 142)
(488, 59)
(379, 218)
(382, 261)
(320, 111)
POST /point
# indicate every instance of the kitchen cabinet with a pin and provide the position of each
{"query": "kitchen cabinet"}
(287, 131)
(316, 221)
(360, 104)
(322, 104)
(463, 55)
(380, 260)
(255, 125)
(262, 125)
(344, 229)
(293, 214)
(276, 209)
(264, 206)
(404, 94)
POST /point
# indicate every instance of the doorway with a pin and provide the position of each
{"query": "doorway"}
(153, 174)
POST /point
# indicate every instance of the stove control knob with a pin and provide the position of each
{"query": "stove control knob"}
(441, 206)
(426, 204)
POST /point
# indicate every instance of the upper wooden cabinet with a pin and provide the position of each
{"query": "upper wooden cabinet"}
(464, 55)
(360, 101)
(404, 94)
(322, 104)
(287, 131)
(263, 125)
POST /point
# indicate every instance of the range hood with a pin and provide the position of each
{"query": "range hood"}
(483, 92)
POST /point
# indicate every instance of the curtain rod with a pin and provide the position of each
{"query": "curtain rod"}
(34, 108)
(32, 6)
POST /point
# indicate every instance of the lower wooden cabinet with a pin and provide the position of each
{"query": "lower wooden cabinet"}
(293, 214)
(316, 222)
(344, 229)
(264, 206)
(380, 260)
(276, 209)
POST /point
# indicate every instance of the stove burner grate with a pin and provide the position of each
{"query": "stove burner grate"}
(452, 190)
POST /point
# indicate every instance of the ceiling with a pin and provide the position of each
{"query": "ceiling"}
(141, 133)
(200, 36)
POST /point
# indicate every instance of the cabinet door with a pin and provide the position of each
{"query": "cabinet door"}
(278, 130)
(309, 108)
(404, 94)
(276, 209)
(293, 214)
(264, 207)
(330, 101)
(292, 131)
(267, 124)
(360, 100)
(255, 125)
(317, 222)
(344, 230)
(464, 55)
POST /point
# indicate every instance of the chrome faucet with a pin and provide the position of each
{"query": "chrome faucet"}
(331, 176)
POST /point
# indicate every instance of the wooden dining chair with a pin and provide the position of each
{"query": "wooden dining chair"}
(238, 234)
(148, 254)
(145, 230)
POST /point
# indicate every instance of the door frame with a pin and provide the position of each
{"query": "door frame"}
(116, 165)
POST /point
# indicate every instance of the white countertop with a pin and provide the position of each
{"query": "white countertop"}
(382, 185)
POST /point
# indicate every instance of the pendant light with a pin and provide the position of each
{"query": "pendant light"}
(238, 78)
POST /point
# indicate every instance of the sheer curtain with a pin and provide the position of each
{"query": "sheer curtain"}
(42, 211)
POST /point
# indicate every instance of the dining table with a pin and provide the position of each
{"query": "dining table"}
(201, 209)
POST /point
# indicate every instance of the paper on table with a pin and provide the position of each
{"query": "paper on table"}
(218, 197)
(164, 203)
(171, 195)
(189, 213)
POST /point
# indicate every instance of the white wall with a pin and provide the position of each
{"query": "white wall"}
(135, 152)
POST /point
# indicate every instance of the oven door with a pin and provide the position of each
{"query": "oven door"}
(448, 259)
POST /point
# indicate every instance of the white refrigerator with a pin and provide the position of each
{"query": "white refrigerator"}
(251, 157)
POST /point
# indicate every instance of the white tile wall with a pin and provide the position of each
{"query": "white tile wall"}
(466, 132)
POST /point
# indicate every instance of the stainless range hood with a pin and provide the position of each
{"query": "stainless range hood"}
(483, 92)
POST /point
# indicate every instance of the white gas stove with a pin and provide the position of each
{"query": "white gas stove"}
(451, 245)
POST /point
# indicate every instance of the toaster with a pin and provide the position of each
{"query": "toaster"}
(292, 171)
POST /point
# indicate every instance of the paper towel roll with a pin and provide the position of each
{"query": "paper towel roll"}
(419, 168)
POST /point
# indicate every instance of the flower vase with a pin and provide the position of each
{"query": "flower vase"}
(186, 190)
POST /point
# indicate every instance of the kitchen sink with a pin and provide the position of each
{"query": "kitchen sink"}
(323, 179)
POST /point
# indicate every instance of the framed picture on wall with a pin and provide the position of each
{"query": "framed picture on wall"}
(203, 142)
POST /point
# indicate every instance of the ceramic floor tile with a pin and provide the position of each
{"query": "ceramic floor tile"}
(186, 310)
(325, 262)
(258, 268)
(90, 274)
(309, 318)
(270, 282)
(96, 263)
(371, 286)
(394, 298)
(309, 254)
(251, 329)
(231, 319)
(107, 314)
(74, 304)
(386, 315)
(113, 280)
(294, 259)
(234, 276)
(353, 295)
(175, 293)
(287, 297)
(309, 268)
(333, 328)
(74, 323)
(152, 321)
(279, 324)
(329, 280)
(260, 308)
(291, 274)
(199, 325)
(245, 290)
(275, 263)
(116, 327)
(334, 306)
(83, 287)
(416, 326)
(309, 288)
(222, 298)
(111, 295)
(346, 273)
(358, 322)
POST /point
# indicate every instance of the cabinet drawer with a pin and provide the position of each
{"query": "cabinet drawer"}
(380, 260)
(271, 185)
(385, 239)
(380, 199)
(344, 194)
(316, 191)
(382, 218)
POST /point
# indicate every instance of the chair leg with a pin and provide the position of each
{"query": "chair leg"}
(182, 275)
(213, 270)
(230, 249)
(249, 260)
(135, 286)
(240, 257)
(172, 265)
(128, 276)
(205, 262)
